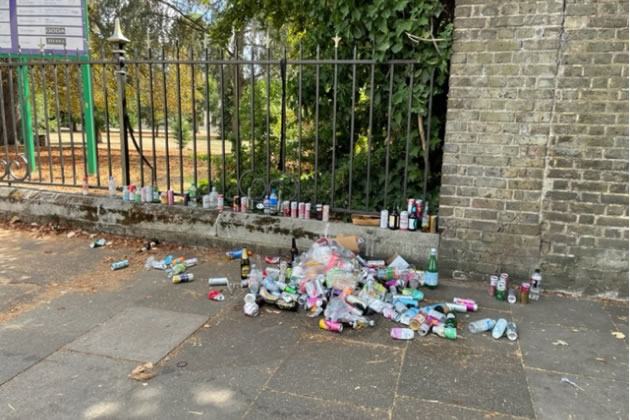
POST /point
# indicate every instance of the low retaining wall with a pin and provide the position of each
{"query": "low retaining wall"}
(199, 227)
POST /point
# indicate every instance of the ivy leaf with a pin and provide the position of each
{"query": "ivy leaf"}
(400, 5)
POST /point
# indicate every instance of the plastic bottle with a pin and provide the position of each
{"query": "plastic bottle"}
(499, 329)
(431, 273)
(177, 269)
(125, 193)
(192, 194)
(213, 198)
(112, 187)
(402, 333)
(481, 325)
(273, 203)
(534, 282)
(266, 209)
(84, 187)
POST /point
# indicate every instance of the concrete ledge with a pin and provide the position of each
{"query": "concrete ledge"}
(199, 227)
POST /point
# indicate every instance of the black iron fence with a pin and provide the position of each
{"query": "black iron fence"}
(244, 126)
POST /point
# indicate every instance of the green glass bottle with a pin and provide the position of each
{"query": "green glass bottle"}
(431, 273)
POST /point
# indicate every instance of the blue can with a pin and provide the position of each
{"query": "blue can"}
(119, 265)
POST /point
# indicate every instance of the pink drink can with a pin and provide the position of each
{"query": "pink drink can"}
(301, 208)
(307, 211)
(471, 305)
(170, 196)
(294, 206)
(286, 209)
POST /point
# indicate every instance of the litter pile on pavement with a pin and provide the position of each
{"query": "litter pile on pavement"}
(344, 289)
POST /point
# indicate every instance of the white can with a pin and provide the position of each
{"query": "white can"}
(307, 211)
(301, 208)
(294, 209)
(404, 220)
(384, 217)
(325, 213)
(220, 202)
(205, 200)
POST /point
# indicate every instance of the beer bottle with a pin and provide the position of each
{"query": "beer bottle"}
(425, 218)
(294, 251)
(394, 219)
(245, 265)
(413, 219)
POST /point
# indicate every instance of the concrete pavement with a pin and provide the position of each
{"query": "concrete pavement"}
(71, 331)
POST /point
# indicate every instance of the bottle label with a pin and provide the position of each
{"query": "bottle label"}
(430, 279)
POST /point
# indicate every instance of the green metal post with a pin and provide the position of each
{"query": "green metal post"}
(27, 119)
(88, 114)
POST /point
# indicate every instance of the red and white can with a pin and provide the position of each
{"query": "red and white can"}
(325, 213)
(404, 220)
(286, 209)
(301, 208)
(307, 211)
(170, 196)
(492, 287)
(294, 209)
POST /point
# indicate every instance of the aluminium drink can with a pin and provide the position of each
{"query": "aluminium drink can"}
(492, 287)
(410, 203)
(120, 264)
(170, 197)
(325, 213)
(307, 211)
(301, 208)
(384, 217)
(220, 203)
(236, 203)
(318, 211)
(294, 206)
(330, 325)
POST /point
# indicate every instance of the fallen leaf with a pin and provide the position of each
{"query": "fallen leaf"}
(357, 387)
(14, 220)
(560, 343)
(71, 234)
(143, 372)
(618, 334)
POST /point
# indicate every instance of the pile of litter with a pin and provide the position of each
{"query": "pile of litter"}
(331, 281)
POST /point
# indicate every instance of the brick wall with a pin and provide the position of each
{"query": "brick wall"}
(535, 170)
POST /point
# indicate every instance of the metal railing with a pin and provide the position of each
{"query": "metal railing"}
(232, 151)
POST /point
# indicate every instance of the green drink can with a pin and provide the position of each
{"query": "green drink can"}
(120, 264)
(501, 286)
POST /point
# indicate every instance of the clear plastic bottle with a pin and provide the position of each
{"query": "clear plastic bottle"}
(84, 187)
(534, 285)
(512, 335)
(112, 187)
(266, 205)
(177, 269)
(214, 197)
(481, 325)
(499, 328)
(125, 193)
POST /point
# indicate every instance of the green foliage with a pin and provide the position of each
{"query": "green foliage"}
(182, 134)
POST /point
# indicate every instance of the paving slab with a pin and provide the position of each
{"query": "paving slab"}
(333, 369)
(278, 405)
(408, 408)
(140, 334)
(595, 398)
(68, 385)
(180, 393)
(566, 349)
(235, 340)
(481, 375)
(619, 316)
(568, 312)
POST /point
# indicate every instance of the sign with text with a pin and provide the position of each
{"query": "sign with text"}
(56, 25)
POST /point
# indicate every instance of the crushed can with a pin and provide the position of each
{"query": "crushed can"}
(216, 295)
(511, 331)
(120, 265)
